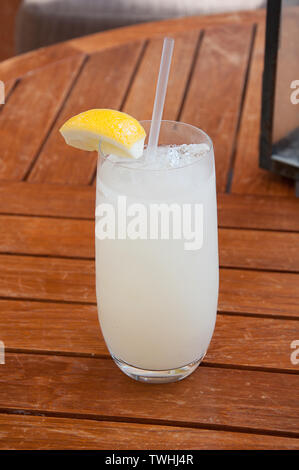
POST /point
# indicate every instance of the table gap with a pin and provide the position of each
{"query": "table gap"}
(217, 365)
(11, 89)
(51, 301)
(269, 316)
(90, 219)
(191, 73)
(147, 421)
(92, 258)
(230, 173)
(131, 81)
(44, 140)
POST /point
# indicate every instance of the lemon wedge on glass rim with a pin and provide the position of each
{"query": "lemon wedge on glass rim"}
(118, 133)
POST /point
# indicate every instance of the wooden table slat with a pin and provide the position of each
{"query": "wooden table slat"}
(252, 249)
(106, 39)
(210, 104)
(260, 293)
(73, 280)
(29, 113)
(48, 433)
(258, 212)
(20, 65)
(74, 329)
(140, 104)
(52, 200)
(103, 83)
(257, 249)
(55, 200)
(216, 396)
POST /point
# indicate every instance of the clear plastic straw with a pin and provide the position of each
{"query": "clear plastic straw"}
(160, 97)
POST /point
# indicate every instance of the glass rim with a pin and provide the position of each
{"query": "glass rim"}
(184, 124)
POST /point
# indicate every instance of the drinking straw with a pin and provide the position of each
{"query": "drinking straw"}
(160, 96)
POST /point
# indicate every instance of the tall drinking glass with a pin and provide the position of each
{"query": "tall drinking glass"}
(157, 255)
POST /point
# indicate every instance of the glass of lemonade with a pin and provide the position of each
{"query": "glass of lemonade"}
(157, 254)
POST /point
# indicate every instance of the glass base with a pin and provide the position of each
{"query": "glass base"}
(157, 376)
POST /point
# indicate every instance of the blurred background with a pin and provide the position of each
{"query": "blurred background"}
(29, 24)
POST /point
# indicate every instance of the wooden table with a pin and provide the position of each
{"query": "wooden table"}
(58, 387)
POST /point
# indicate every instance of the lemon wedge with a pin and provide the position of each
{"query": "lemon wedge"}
(118, 133)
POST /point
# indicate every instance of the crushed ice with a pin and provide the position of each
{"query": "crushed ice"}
(175, 156)
(167, 157)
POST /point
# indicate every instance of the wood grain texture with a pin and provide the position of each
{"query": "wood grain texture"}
(222, 397)
(259, 250)
(258, 212)
(73, 280)
(140, 100)
(74, 329)
(78, 201)
(210, 104)
(27, 117)
(248, 178)
(103, 83)
(47, 236)
(47, 433)
(54, 200)
(261, 293)
(34, 59)
(51, 327)
(47, 278)
(253, 249)
(20, 65)
(253, 342)
(95, 42)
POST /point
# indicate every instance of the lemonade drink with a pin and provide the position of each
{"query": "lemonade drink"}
(157, 298)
